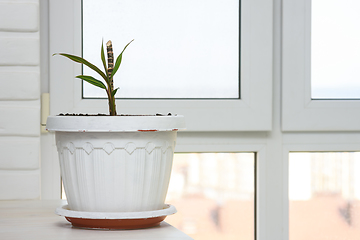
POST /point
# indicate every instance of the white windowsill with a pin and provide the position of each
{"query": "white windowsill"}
(35, 219)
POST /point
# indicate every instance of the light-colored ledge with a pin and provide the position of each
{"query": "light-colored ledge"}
(37, 220)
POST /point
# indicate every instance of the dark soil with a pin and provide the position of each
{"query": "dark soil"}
(101, 114)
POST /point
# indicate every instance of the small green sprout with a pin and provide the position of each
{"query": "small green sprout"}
(107, 75)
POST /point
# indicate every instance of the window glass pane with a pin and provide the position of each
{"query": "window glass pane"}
(214, 195)
(182, 48)
(324, 196)
(335, 49)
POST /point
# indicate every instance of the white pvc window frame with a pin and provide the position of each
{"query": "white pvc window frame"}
(259, 150)
(253, 112)
(311, 142)
(299, 111)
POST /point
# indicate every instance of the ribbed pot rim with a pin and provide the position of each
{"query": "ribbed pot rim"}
(115, 123)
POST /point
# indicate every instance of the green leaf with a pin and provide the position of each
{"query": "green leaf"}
(118, 60)
(103, 59)
(114, 92)
(92, 80)
(83, 61)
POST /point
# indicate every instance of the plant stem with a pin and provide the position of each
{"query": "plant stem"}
(110, 102)
(110, 58)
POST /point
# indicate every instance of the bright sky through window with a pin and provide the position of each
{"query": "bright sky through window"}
(182, 48)
(335, 49)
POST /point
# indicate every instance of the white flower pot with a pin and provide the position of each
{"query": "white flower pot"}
(115, 163)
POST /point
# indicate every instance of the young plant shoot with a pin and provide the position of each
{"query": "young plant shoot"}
(107, 75)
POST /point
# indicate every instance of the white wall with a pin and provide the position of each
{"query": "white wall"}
(19, 100)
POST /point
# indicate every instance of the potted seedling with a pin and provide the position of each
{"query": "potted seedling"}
(114, 167)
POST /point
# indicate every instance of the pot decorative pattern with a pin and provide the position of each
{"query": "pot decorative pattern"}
(116, 172)
(109, 147)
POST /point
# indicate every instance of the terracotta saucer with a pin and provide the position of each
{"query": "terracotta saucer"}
(115, 220)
